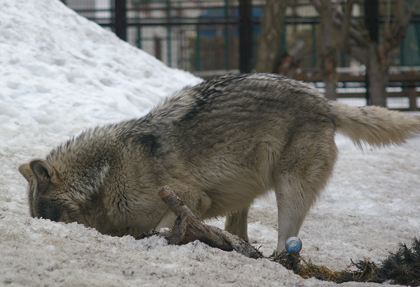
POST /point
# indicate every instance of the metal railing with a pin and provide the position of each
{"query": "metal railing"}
(212, 37)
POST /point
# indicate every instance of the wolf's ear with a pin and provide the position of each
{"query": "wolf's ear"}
(42, 170)
(26, 171)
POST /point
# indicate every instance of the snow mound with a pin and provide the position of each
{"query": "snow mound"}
(61, 74)
(59, 69)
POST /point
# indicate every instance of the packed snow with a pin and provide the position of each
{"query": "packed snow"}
(61, 74)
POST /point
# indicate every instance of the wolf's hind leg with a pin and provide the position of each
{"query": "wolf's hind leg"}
(293, 202)
(307, 163)
(295, 194)
(237, 223)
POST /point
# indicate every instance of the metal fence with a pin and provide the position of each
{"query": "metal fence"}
(206, 37)
(190, 35)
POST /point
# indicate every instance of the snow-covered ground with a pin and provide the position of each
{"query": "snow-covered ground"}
(60, 74)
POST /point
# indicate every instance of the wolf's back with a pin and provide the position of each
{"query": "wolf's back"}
(373, 125)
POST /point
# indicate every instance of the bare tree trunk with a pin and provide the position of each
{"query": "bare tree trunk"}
(412, 94)
(270, 41)
(328, 53)
(329, 75)
(356, 42)
(377, 86)
(290, 60)
(345, 28)
(189, 228)
(377, 69)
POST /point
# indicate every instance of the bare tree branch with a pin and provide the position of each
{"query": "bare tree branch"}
(270, 40)
(399, 26)
(355, 41)
(175, 204)
(189, 228)
(355, 31)
(388, 16)
(358, 53)
(317, 4)
(345, 29)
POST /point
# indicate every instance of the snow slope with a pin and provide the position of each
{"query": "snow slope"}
(60, 74)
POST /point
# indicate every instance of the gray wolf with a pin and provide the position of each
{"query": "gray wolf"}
(218, 145)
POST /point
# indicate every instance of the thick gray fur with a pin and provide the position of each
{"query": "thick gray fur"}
(218, 145)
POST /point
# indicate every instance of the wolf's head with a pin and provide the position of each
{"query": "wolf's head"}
(47, 194)
(78, 195)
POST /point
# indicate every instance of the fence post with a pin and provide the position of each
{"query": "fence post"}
(412, 93)
(168, 34)
(121, 19)
(412, 97)
(198, 62)
(372, 24)
(226, 10)
(158, 47)
(245, 36)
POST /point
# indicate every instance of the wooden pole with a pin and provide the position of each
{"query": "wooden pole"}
(189, 228)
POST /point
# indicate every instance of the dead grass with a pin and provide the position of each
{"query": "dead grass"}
(402, 267)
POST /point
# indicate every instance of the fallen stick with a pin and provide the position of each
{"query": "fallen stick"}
(189, 228)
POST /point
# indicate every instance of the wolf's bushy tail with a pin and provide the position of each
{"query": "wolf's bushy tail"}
(373, 125)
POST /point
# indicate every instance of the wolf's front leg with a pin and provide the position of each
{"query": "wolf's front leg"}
(237, 223)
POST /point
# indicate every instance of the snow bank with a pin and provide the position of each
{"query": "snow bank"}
(59, 69)
(61, 73)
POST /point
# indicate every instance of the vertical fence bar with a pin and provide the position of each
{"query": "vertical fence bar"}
(226, 36)
(284, 40)
(139, 34)
(314, 56)
(372, 24)
(139, 37)
(198, 49)
(168, 34)
(245, 36)
(121, 19)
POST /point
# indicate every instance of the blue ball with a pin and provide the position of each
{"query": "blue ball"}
(293, 244)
